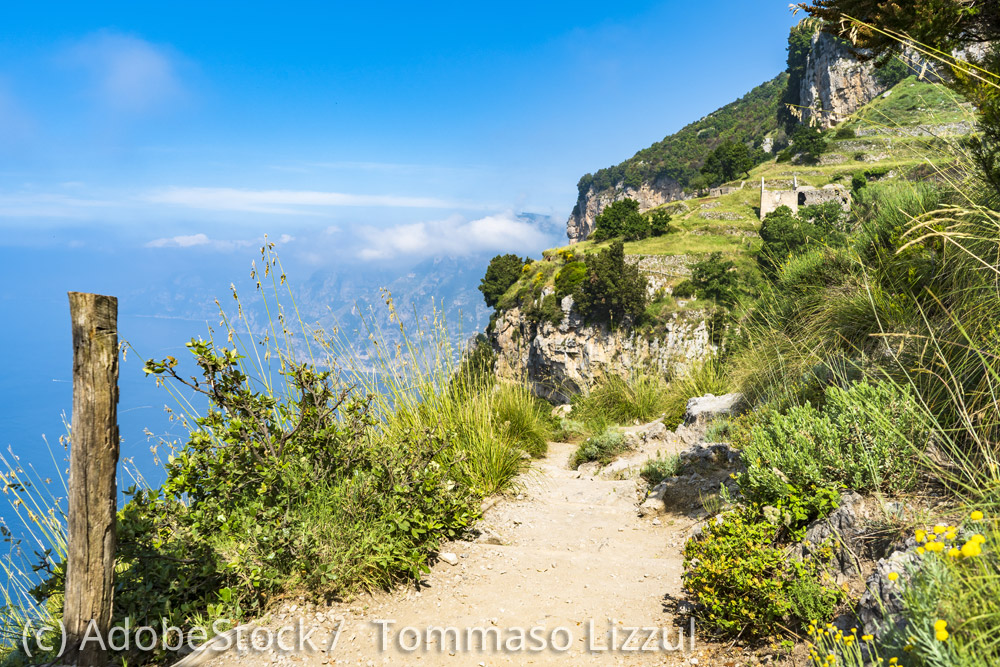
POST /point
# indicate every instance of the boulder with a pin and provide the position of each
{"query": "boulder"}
(702, 410)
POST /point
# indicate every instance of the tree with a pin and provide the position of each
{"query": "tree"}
(715, 278)
(727, 162)
(808, 141)
(783, 234)
(503, 271)
(621, 219)
(659, 223)
(613, 291)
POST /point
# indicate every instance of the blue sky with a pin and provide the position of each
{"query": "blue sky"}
(378, 133)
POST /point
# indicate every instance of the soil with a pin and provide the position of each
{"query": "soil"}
(568, 557)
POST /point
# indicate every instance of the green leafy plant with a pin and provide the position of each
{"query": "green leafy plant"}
(602, 448)
(656, 470)
(746, 586)
(502, 272)
(614, 291)
(859, 439)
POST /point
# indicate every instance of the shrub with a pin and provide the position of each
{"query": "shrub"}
(685, 289)
(808, 142)
(858, 181)
(844, 132)
(620, 219)
(502, 272)
(860, 439)
(659, 222)
(569, 278)
(747, 587)
(784, 234)
(656, 470)
(602, 448)
(715, 279)
(613, 291)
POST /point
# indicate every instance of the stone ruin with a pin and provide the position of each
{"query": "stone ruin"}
(802, 195)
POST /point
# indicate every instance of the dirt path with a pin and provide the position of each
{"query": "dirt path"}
(569, 552)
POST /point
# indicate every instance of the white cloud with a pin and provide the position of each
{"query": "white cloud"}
(197, 240)
(286, 202)
(129, 74)
(454, 236)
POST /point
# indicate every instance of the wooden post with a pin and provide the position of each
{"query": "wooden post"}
(93, 492)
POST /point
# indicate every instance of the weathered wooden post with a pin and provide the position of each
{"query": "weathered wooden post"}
(93, 492)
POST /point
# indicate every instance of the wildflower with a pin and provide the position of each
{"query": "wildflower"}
(893, 576)
(867, 638)
(954, 552)
(893, 661)
(941, 635)
(921, 535)
(940, 625)
(971, 548)
(940, 529)
(950, 535)
(920, 551)
(978, 538)
(935, 546)
(976, 516)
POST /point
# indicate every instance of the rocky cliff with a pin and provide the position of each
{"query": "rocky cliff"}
(559, 361)
(835, 84)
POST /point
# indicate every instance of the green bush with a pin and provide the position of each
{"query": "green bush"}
(858, 181)
(861, 439)
(614, 291)
(844, 132)
(715, 279)
(746, 586)
(685, 289)
(569, 278)
(502, 272)
(659, 222)
(602, 448)
(808, 142)
(656, 470)
(621, 219)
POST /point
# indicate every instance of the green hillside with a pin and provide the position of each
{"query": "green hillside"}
(909, 133)
(679, 156)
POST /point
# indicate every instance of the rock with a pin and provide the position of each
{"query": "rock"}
(704, 409)
(589, 469)
(879, 608)
(653, 504)
(583, 219)
(562, 410)
(841, 531)
(448, 557)
(557, 362)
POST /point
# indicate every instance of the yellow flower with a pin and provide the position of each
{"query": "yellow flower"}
(921, 536)
(893, 661)
(940, 529)
(940, 625)
(941, 635)
(976, 516)
(935, 546)
(954, 552)
(950, 535)
(920, 551)
(867, 638)
(971, 548)
(978, 538)
(893, 576)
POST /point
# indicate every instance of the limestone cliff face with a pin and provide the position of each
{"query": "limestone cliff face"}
(649, 195)
(835, 84)
(559, 361)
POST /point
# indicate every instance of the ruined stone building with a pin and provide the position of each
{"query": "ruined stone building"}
(801, 195)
